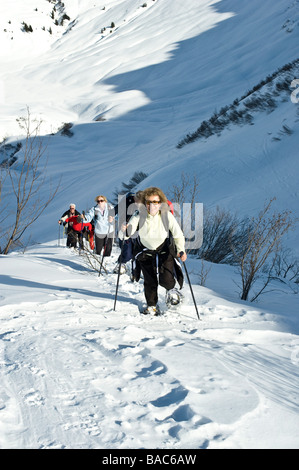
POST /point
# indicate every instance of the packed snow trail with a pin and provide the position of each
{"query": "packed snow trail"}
(76, 374)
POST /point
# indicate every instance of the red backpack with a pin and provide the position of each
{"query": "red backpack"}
(170, 206)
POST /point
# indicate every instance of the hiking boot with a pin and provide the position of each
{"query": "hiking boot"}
(152, 310)
(173, 297)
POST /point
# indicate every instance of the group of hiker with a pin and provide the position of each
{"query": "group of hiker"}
(148, 235)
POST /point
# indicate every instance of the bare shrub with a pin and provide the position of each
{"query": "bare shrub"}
(263, 244)
(224, 235)
(184, 196)
(286, 267)
(91, 259)
(26, 187)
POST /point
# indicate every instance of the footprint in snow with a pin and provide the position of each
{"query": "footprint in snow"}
(33, 398)
(176, 395)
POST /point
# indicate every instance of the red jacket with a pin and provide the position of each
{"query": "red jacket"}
(78, 227)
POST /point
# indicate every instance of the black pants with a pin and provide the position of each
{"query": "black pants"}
(126, 251)
(152, 279)
(73, 237)
(104, 241)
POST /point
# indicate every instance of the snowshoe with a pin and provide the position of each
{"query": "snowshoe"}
(173, 297)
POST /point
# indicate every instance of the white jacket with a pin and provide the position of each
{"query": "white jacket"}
(153, 232)
(102, 224)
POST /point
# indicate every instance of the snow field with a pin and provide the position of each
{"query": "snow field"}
(77, 374)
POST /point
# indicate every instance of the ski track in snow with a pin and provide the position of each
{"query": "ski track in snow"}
(76, 374)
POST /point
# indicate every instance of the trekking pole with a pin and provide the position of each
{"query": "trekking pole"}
(59, 235)
(181, 253)
(118, 273)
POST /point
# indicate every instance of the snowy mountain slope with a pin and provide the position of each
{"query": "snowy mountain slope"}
(74, 373)
(77, 374)
(134, 90)
(85, 57)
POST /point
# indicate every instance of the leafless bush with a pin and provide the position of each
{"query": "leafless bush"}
(187, 190)
(224, 235)
(263, 244)
(184, 196)
(90, 259)
(253, 245)
(26, 183)
(203, 273)
(286, 266)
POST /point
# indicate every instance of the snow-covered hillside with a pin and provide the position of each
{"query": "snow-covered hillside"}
(134, 78)
(77, 374)
(133, 91)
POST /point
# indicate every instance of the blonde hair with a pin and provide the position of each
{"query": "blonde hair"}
(102, 197)
(153, 191)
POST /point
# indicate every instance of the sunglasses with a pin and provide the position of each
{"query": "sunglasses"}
(152, 202)
(101, 200)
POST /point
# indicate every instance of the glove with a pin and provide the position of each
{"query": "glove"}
(79, 219)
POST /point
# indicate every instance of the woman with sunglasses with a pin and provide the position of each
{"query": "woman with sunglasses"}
(159, 242)
(102, 217)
